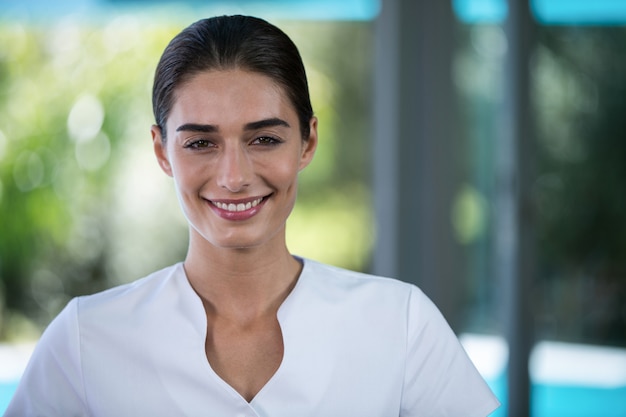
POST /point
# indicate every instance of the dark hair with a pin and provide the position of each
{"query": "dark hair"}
(231, 42)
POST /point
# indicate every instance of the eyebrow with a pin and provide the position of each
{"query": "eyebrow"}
(260, 124)
(195, 127)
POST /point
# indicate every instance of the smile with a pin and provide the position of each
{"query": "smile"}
(234, 208)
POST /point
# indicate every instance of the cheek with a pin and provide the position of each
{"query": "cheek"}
(183, 181)
(284, 175)
(187, 173)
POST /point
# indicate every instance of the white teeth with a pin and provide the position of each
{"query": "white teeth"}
(238, 207)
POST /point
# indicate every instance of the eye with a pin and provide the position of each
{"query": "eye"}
(198, 144)
(266, 140)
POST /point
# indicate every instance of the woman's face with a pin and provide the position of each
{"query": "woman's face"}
(234, 150)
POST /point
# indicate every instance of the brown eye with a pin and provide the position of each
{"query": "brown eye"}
(198, 144)
(266, 140)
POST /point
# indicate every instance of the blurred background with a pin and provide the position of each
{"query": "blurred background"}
(474, 147)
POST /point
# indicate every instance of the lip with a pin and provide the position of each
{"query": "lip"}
(237, 210)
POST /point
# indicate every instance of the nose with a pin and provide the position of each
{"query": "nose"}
(234, 169)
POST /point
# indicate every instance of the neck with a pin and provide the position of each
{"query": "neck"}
(241, 283)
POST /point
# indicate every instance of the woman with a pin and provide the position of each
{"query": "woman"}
(242, 327)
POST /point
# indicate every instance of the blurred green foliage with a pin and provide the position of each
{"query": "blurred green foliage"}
(83, 205)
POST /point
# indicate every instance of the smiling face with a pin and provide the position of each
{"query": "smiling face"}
(234, 150)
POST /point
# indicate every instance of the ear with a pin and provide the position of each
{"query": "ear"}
(309, 145)
(160, 150)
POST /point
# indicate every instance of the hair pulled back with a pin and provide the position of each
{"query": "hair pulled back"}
(231, 42)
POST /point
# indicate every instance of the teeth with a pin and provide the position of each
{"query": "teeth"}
(238, 207)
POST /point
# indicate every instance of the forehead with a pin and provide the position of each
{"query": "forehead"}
(229, 95)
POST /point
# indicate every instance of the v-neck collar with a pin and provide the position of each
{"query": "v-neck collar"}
(193, 310)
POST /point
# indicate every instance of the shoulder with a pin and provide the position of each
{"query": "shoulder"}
(377, 292)
(370, 296)
(345, 278)
(133, 293)
(138, 303)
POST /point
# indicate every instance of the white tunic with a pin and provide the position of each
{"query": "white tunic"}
(354, 345)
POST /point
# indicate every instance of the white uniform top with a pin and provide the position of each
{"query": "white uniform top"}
(354, 345)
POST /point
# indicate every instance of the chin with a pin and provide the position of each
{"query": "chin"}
(237, 243)
(244, 238)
